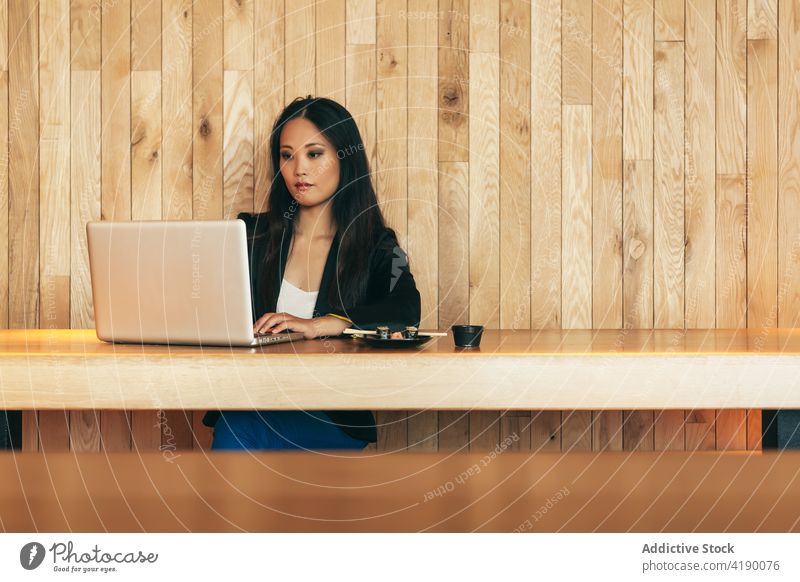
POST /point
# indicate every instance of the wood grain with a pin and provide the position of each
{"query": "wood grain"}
(268, 98)
(637, 110)
(576, 55)
(176, 110)
(576, 225)
(239, 21)
(300, 50)
(146, 147)
(668, 182)
(789, 167)
(546, 150)
(700, 165)
(607, 165)
(669, 19)
(423, 210)
(85, 45)
(330, 19)
(237, 144)
(146, 35)
(454, 86)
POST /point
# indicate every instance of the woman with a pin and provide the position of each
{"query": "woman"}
(321, 259)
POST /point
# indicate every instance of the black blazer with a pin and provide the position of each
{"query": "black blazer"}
(392, 299)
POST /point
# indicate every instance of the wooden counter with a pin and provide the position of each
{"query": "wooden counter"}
(545, 370)
(233, 492)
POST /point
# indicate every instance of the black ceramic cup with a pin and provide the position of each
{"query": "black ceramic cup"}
(467, 336)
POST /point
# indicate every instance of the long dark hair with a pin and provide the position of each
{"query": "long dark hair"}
(358, 217)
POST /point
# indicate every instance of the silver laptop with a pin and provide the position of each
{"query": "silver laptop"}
(174, 282)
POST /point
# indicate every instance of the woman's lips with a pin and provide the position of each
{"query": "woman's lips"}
(303, 186)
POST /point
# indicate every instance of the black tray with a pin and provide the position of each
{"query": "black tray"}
(377, 342)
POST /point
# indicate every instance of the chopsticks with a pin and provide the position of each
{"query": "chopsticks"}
(350, 330)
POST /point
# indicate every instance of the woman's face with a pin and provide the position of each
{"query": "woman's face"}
(309, 164)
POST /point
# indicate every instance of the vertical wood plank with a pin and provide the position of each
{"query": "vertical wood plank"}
(576, 431)
(607, 169)
(237, 145)
(576, 23)
(392, 120)
(111, 428)
(146, 145)
(361, 27)
(54, 163)
(146, 35)
(453, 279)
(54, 194)
(484, 217)
(85, 35)
(637, 107)
(762, 19)
(85, 187)
(546, 431)
(732, 430)
(207, 57)
(4, 162)
(607, 430)
(4, 35)
(789, 166)
(392, 430)
(576, 243)
(239, 19)
(515, 166)
(515, 431)
(116, 108)
(484, 192)
(423, 426)
(361, 96)
(454, 81)
(700, 165)
(700, 203)
(23, 180)
(762, 198)
(638, 244)
(268, 99)
(453, 243)
(453, 431)
(669, 432)
(731, 251)
(762, 194)
(176, 110)
(23, 175)
(330, 46)
(546, 164)
(731, 97)
(637, 430)
(300, 51)
(669, 19)
(668, 179)
(146, 204)
(208, 99)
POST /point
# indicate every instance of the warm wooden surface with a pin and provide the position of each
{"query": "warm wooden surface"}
(476, 118)
(530, 369)
(608, 492)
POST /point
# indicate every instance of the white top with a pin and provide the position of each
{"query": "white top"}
(295, 301)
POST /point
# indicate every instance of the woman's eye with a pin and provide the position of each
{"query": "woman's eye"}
(314, 154)
(285, 156)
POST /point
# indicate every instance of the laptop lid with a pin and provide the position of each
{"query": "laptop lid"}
(176, 282)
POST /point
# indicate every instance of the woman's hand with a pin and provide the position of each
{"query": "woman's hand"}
(310, 328)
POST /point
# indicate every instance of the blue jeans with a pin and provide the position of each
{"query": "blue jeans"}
(280, 429)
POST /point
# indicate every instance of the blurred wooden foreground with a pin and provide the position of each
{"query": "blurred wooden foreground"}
(499, 491)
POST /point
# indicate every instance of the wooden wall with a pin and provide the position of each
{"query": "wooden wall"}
(546, 163)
